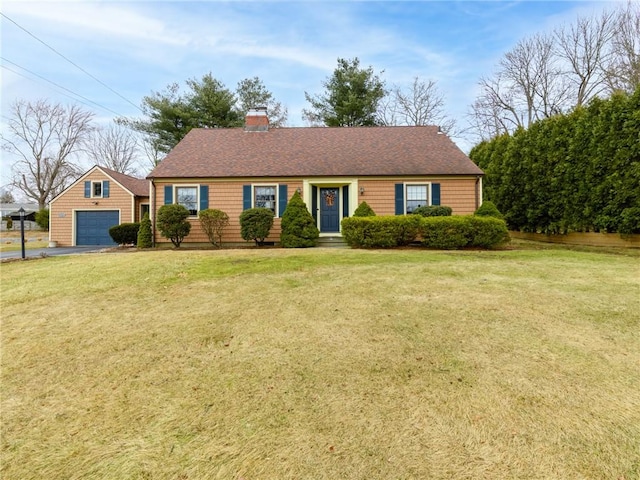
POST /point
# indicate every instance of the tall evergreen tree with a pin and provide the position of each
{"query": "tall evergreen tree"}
(351, 98)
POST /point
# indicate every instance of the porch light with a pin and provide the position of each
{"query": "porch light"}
(299, 190)
(361, 190)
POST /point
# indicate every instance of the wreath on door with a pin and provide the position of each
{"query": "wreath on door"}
(329, 197)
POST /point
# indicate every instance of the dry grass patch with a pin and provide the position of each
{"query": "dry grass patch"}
(324, 364)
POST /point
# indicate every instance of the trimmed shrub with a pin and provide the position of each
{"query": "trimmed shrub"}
(173, 224)
(446, 233)
(125, 233)
(433, 211)
(213, 222)
(489, 209)
(144, 233)
(486, 232)
(255, 224)
(364, 210)
(42, 218)
(299, 229)
(9, 223)
(380, 232)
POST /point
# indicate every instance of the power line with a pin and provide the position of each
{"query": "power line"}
(53, 83)
(70, 61)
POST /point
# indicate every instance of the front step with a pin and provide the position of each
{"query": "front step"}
(332, 242)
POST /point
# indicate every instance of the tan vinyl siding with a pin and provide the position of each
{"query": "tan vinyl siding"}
(457, 193)
(63, 208)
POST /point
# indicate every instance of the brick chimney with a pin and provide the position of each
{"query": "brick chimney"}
(256, 120)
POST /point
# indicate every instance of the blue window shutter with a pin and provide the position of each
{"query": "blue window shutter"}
(105, 189)
(87, 189)
(204, 197)
(246, 197)
(345, 201)
(168, 194)
(282, 199)
(314, 203)
(435, 194)
(399, 198)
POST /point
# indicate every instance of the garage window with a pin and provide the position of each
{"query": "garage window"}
(96, 189)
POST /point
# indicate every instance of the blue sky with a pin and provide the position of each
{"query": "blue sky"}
(139, 47)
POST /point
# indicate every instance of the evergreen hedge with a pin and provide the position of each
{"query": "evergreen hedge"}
(450, 232)
(575, 172)
(380, 232)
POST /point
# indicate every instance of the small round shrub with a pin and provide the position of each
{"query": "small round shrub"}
(213, 222)
(433, 211)
(9, 223)
(125, 233)
(364, 210)
(489, 209)
(255, 224)
(299, 229)
(173, 224)
(144, 233)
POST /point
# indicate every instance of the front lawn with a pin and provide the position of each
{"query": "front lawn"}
(321, 364)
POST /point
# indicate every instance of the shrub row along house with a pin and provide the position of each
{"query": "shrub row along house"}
(395, 169)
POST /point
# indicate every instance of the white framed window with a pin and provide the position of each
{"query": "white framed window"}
(416, 195)
(266, 196)
(96, 190)
(187, 196)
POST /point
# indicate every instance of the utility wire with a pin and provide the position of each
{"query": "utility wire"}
(53, 83)
(70, 61)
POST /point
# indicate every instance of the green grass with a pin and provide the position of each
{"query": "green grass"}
(323, 364)
(11, 241)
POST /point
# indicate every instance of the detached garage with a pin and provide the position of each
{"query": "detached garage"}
(101, 198)
(92, 227)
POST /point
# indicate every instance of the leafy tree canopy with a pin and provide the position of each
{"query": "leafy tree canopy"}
(352, 96)
(206, 103)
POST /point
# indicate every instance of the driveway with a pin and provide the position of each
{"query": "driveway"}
(50, 252)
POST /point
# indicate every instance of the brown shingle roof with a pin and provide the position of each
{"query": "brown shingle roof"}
(138, 186)
(319, 151)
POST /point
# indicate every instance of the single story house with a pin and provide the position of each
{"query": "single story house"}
(101, 198)
(393, 169)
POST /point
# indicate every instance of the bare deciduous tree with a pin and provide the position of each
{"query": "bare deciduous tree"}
(585, 47)
(549, 74)
(115, 147)
(152, 151)
(623, 71)
(420, 104)
(45, 138)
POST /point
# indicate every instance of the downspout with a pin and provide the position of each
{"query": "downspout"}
(153, 213)
(478, 191)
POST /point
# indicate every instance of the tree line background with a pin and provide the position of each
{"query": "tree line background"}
(544, 80)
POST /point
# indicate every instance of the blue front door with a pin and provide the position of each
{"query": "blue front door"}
(329, 210)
